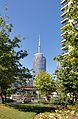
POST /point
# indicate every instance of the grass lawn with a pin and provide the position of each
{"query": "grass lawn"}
(10, 113)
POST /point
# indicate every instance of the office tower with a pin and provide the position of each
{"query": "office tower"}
(69, 24)
(39, 62)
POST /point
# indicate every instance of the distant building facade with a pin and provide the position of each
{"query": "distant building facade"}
(39, 61)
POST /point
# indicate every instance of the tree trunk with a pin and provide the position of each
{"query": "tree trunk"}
(2, 98)
(76, 96)
(5, 95)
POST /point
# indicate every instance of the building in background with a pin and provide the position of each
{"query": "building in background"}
(69, 22)
(64, 9)
(39, 61)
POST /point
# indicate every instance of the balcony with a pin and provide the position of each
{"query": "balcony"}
(64, 48)
(65, 33)
(64, 14)
(63, 8)
(64, 27)
(66, 53)
(64, 1)
(63, 43)
(63, 40)
(65, 20)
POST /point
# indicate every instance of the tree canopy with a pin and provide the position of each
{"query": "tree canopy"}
(10, 66)
(68, 70)
(45, 83)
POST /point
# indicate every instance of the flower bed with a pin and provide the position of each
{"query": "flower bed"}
(64, 114)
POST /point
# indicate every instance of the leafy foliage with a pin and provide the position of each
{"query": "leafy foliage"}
(10, 66)
(45, 83)
(68, 70)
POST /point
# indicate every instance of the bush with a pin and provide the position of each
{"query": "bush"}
(43, 102)
(76, 103)
(58, 101)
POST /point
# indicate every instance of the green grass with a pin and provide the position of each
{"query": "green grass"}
(10, 113)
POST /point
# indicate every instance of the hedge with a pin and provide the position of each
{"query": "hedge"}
(38, 108)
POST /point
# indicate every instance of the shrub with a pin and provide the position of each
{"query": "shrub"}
(76, 103)
(58, 101)
(43, 102)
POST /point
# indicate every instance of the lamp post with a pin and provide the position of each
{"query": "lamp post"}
(0, 89)
(37, 94)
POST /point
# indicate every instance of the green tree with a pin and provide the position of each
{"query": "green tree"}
(10, 66)
(68, 74)
(68, 70)
(59, 87)
(45, 83)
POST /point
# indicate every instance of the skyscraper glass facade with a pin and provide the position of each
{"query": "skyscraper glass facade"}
(39, 63)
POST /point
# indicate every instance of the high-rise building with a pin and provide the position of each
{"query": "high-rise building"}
(39, 61)
(69, 22)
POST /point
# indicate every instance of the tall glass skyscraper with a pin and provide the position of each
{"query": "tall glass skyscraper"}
(39, 61)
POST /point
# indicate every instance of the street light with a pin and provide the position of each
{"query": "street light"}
(37, 94)
(0, 89)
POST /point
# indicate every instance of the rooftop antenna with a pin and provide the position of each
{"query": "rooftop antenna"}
(39, 44)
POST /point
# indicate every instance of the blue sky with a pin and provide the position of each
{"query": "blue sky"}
(31, 18)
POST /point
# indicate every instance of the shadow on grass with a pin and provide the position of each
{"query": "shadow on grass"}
(37, 108)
